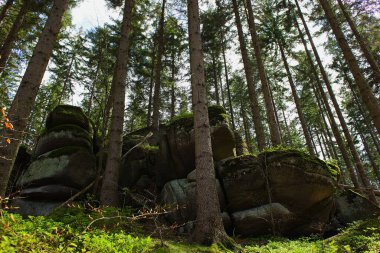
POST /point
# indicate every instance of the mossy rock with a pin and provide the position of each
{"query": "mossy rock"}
(69, 166)
(63, 136)
(69, 115)
(217, 114)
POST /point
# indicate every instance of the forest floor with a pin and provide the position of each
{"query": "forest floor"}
(88, 229)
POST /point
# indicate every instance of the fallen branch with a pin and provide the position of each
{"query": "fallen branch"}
(348, 187)
(78, 194)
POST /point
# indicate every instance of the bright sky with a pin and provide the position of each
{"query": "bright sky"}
(91, 13)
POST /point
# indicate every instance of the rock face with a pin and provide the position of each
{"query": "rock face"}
(62, 163)
(283, 192)
(279, 192)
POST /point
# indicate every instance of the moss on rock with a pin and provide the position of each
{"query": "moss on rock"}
(68, 114)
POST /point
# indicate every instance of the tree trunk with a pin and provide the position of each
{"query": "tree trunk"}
(247, 134)
(25, 97)
(209, 226)
(355, 155)
(321, 92)
(7, 6)
(375, 168)
(287, 128)
(253, 96)
(362, 43)
(172, 89)
(12, 36)
(157, 83)
(66, 81)
(215, 80)
(153, 57)
(297, 101)
(227, 83)
(109, 192)
(273, 124)
(365, 91)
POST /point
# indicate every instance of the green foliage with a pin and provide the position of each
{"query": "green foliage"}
(66, 231)
(73, 229)
(185, 120)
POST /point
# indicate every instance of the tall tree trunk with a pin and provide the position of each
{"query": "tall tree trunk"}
(253, 96)
(368, 97)
(297, 101)
(172, 88)
(209, 226)
(320, 144)
(362, 43)
(247, 134)
(273, 124)
(157, 83)
(7, 6)
(375, 168)
(287, 129)
(227, 83)
(355, 155)
(312, 142)
(109, 191)
(358, 102)
(334, 126)
(12, 36)
(25, 97)
(151, 84)
(66, 81)
(216, 87)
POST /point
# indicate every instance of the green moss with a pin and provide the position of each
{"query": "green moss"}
(68, 114)
(152, 148)
(231, 165)
(330, 167)
(184, 120)
(76, 131)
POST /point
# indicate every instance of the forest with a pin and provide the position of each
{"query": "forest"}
(190, 126)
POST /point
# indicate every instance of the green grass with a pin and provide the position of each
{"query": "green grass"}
(66, 230)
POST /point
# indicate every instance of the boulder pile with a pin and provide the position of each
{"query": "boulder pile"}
(63, 161)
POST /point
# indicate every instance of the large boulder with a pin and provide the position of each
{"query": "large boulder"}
(351, 206)
(68, 166)
(69, 115)
(180, 138)
(302, 186)
(63, 136)
(180, 196)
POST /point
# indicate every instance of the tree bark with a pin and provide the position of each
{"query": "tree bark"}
(334, 126)
(368, 97)
(7, 6)
(355, 155)
(287, 129)
(12, 36)
(375, 168)
(157, 83)
(109, 194)
(297, 101)
(247, 134)
(253, 96)
(172, 88)
(362, 43)
(209, 226)
(216, 87)
(227, 83)
(25, 97)
(153, 57)
(273, 124)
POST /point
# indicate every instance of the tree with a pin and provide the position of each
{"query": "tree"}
(23, 102)
(253, 96)
(7, 6)
(109, 191)
(273, 124)
(362, 43)
(365, 92)
(158, 69)
(209, 226)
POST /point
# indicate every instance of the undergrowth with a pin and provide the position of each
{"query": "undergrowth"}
(73, 230)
